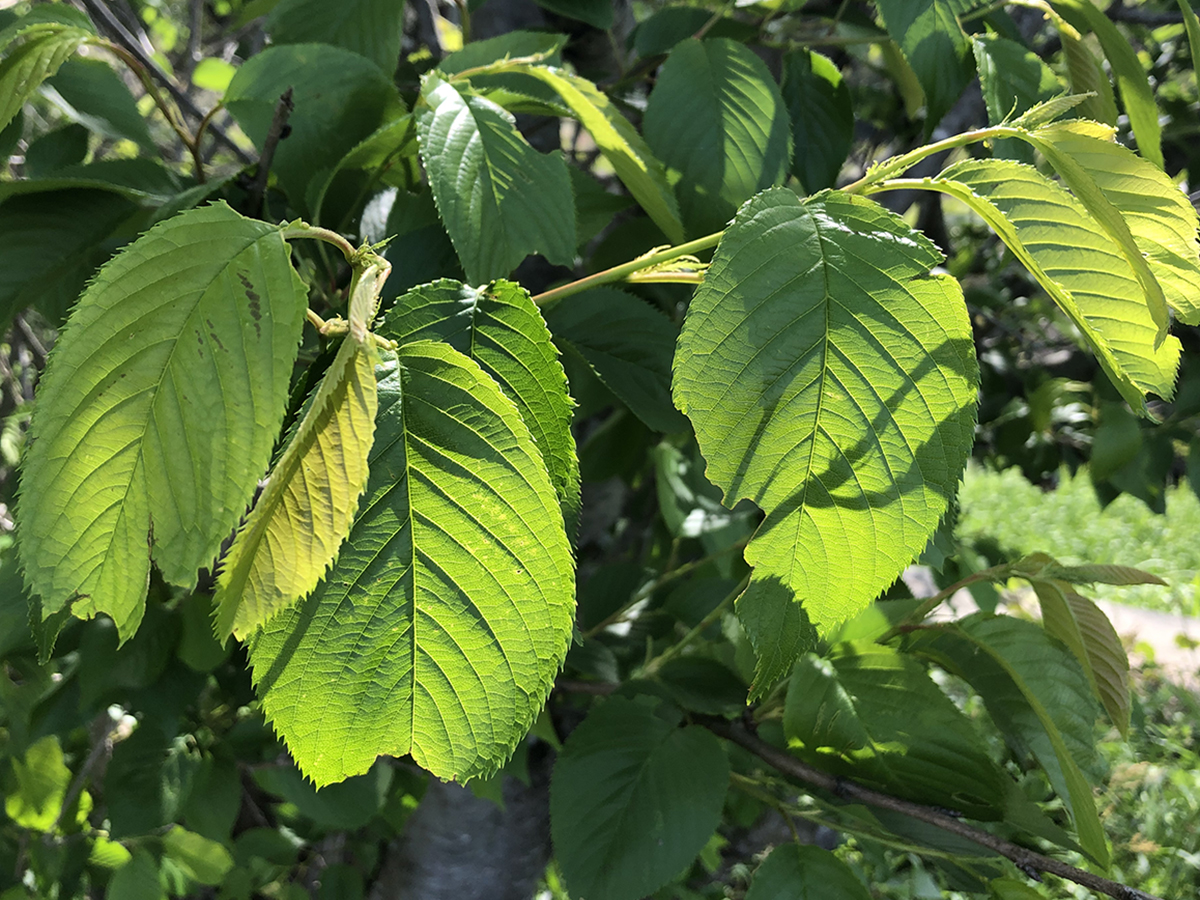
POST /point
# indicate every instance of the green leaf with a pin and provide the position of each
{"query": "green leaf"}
(339, 98)
(1013, 80)
(928, 33)
(499, 327)
(669, 25)
(1192, 24)
(717, 117)
(144, 782)
(630, 156)
(370, 28)
(421, 251)
(629, 345)
(1145, 212)
(779, 631)
(310, 499)
(1078, 622)
(529, 45)
(157, 412)
(1077, 264)
(443, 623)
(831, 380)
(873, 713)
(345, 806)
(56, 150)
(1038, 695)
(597, 13)
(1127, 71)
(818, 101)
(137, 880)
(633, 800)
(92, 94)
(39, 52)
(201, 860)
(595, 205)
(1104, 574)
(499, 198)
(796, 872)
(42, 778)
(50, 244)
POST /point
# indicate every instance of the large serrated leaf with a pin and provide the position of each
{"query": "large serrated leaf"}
(630, 156)
(717, 117)
(371, 28)
(157, 412)
(629, 344)
(499, 198)
(1078, 622)
(339, 98)
(818, 102)
(40, 50)
(1077, 264)
(831, 380)
(1039, 697)
(298, 524)
(633, 800)
(499, 327)
(1128, 73)
(1151, 211)
(874, 713)
(441, 627)
(801, 872)
(934, 45)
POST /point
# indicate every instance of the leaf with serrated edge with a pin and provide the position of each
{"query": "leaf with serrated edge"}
(442, 625)
(934, 45)
(1078, 622)
(295, 529)
(630, 156)
(796, 872)
(157, 412)
(41, 50)
(1077, 264)
(500, 328)
(371, 28)
(1155, 224)
(831, 380)
(499, 198)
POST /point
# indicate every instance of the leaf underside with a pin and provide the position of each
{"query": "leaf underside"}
(442, 625)
(157, 412)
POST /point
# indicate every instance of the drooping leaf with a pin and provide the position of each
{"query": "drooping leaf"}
(370, 28)
(818, 101)
(440, 629)
(37, 53)
(633, 800)
(874, 713)
(91, 93)
(935, 46)
(831, 380)
(1150, 207)
(499, 198)
(717, 117)
(804, 872)
(499, 327)
(1077, 264)
(1078, 622)
(202, 860)
(157, 412)
(298, 524)
(1127, 71)
(338, 97)
(779, 630)
(1039, 697)
(629, 345)
(630, 156)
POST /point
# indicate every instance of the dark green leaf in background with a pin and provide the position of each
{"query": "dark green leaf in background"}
(50, 153)
(633, 800)
(935, 46)
(499, 198)
(370, 28)
(1013, 79)
(92, 94)
(797, 872)
(716, 116)
(818, 101)
(597, 13)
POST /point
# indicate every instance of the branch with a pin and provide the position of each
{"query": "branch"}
(121, 35)
(102, 733)
(258, 188)
(1026, 860)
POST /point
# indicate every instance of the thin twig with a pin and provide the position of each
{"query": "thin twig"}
(102, 732)
(702, 626)
(258, 188)
(1027, 860)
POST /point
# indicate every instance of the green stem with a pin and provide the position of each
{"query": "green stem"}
(995, 573)
(304, 230)
(898, 164)
(702, 626)
(618, 273)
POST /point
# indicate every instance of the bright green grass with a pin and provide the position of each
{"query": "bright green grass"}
(1069, 525)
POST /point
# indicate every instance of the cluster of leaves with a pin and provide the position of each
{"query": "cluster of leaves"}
(774, 416)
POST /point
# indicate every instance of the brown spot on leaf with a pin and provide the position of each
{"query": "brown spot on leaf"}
(255, 304)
